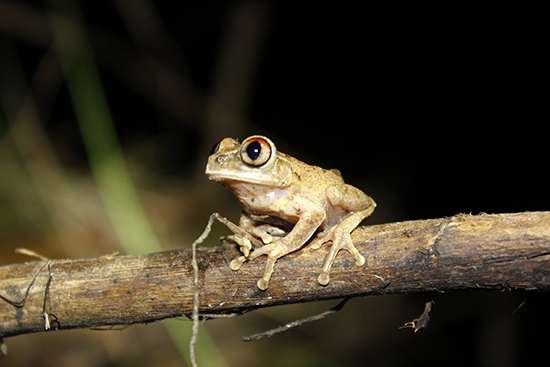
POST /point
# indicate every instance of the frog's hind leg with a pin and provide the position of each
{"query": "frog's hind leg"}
(340, 236)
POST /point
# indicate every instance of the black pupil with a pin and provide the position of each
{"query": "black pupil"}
(253, 150)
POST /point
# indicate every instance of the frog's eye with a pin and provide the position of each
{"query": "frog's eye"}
(257, 151)
(215, 148)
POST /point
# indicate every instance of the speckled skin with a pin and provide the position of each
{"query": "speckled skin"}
(284, 191)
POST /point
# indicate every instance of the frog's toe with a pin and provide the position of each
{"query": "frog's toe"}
(245, 251)
(244, 243)
(360, 259)
(266, 238)
(269, 265)
(322, 238)
(236, 263)
(316, 243)
(323, 278)
(357, 257)
(263, 284)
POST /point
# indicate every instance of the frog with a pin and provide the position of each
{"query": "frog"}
(286, 204)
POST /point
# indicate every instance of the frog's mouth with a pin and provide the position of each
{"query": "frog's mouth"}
(275, 176)
(226, 178)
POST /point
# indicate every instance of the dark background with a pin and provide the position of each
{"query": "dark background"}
(432, 108)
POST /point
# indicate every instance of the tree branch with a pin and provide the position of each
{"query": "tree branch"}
(503, 251)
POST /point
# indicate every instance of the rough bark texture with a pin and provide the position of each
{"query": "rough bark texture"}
(503, 251)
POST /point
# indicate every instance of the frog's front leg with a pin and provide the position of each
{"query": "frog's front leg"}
(311, 218)
(299, 235)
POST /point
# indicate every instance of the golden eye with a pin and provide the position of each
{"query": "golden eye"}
(257, 151)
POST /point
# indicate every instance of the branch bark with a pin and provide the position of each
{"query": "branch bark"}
(502, 251)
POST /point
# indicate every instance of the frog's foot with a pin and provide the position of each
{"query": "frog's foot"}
(274, 251)
(244, 244)
(341, 239)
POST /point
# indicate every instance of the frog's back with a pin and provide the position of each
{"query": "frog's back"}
(310, 178)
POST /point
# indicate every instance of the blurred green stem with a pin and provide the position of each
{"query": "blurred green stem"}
(106, 159)
(93, 115)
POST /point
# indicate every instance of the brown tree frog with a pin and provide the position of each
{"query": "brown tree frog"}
(287, 203)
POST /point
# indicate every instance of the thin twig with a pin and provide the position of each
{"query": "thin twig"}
(47, 324)
(21, 303)
(195, 316)
(422, 321)
(31, 253)
(293, 324)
